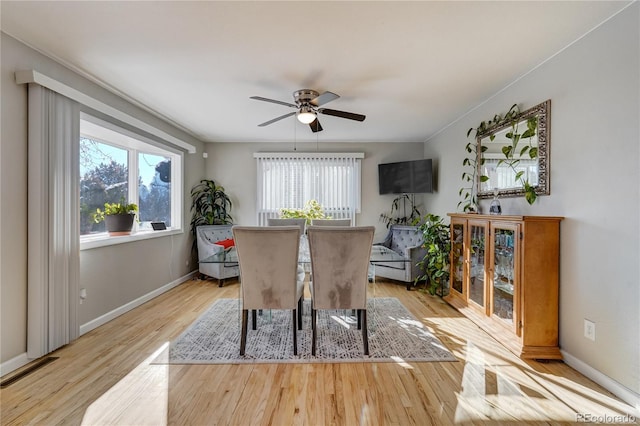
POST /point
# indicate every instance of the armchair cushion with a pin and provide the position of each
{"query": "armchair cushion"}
(226, 243)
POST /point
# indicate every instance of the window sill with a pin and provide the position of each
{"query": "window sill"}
(89, 242)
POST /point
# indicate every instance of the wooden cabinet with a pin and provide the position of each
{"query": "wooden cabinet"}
(504, 277)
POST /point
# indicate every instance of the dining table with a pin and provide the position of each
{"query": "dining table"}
(380, 255)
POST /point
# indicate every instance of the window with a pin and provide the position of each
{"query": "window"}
(289, 180)
(117, 165)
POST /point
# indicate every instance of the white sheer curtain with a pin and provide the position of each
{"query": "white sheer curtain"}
(53, 217)
(289, 180)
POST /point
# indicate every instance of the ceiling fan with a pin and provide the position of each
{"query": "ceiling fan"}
(307, 105)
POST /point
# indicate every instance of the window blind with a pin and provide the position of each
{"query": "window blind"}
(290, 180)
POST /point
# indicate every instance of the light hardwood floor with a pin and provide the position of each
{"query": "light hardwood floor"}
(106, 377)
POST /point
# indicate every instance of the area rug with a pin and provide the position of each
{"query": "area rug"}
(395, 335)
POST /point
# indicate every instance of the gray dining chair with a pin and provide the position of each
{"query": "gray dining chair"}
(340, 262)
(269, 277)
(331, 222)
(301, 222)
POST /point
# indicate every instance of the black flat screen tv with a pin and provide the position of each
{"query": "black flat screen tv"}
(405, 177)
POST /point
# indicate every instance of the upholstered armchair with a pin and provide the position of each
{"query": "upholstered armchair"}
(406, 241)
(340, 262)
(269, 276)
(208, 238)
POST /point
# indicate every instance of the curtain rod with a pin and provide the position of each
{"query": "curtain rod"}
(308, 155)
(32, 76)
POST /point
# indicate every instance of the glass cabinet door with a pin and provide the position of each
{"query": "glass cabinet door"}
(477, 243)
(457, 258)
(504, 273)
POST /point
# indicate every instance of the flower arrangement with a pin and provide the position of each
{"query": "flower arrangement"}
(311, 210)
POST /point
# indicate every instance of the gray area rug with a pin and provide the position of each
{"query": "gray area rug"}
(395, 335)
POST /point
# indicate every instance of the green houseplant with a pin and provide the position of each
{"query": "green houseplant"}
(392, 217)
(210, 205)
(437, 242)
(311, 210)
(118, 217)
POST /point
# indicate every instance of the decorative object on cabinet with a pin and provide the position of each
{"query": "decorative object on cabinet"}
(435, 264)
(513, 153)
(495, 207)
(505, 278)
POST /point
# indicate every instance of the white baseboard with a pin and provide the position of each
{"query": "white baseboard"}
(622, 392)
(22, 359)
(13, 364)
(85, 328)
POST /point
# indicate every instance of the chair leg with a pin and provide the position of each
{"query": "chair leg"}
(359, 314)
(313, 332)
(254, 320)
(295, 332)
(300, 313)
(365, 337)
(243, 333)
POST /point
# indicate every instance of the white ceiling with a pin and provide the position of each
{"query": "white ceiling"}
(411, 67)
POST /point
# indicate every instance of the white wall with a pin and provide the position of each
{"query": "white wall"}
(232, 165)
(595, 111)
(114, 275)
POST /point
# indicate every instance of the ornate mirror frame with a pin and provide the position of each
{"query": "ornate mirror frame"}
(543, 113)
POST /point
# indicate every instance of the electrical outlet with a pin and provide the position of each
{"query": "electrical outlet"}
(590, 330)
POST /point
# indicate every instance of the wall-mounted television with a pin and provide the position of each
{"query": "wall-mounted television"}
(405, 177)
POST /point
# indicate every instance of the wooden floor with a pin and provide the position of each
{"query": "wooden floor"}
(106, 378)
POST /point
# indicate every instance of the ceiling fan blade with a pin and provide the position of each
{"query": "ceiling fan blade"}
(273, 101)
(315, 126)
(342, 114)
(324, 98)
(266, 123)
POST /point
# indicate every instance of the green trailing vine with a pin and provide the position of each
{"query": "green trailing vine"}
(487, 128)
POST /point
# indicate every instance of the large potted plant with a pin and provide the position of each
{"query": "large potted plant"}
(435, 264)
(118, 217)
(210, 205)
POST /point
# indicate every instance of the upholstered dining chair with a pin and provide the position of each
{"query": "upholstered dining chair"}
(331, 222)
(301, 222)
(269, 277)
(340, 263)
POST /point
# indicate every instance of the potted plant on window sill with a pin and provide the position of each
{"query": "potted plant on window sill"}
(118, 217)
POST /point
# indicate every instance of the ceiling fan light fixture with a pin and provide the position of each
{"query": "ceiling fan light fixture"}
(306, 115)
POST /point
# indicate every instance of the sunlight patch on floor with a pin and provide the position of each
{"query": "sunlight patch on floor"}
(144, 387)
(489, 393)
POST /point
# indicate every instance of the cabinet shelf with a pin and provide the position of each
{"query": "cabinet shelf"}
(505, 278)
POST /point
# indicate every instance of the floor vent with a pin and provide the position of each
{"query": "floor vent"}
(27, 371)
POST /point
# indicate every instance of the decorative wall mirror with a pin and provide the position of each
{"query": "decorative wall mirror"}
(515, 155)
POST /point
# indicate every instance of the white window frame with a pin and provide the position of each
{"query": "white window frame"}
(108, 133)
